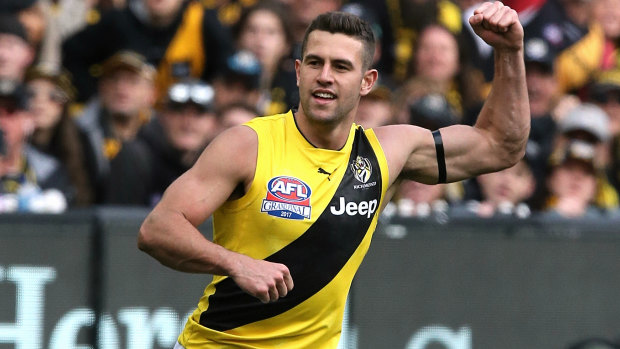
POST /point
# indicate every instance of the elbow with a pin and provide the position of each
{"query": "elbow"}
(146, 241)
(512, 153)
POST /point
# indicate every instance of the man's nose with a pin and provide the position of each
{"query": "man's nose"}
(326, 75)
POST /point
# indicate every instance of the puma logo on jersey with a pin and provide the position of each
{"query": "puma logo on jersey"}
(363, 208)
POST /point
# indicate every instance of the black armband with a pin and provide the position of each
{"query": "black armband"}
(441, 158)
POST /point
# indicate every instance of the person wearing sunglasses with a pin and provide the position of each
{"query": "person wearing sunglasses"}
(186, 123)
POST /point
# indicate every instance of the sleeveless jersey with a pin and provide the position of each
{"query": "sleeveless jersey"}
(313, 210)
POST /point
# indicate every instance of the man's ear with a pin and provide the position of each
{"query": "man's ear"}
(368, 81)
(297, 67)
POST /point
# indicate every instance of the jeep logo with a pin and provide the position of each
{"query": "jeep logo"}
(364, 208)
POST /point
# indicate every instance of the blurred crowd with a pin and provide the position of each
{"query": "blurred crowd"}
(106, 102)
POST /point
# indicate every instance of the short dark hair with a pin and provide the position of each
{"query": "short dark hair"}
(347, 24)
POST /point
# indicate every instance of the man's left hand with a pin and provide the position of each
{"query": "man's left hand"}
(498, 25)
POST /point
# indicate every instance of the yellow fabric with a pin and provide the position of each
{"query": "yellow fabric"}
(449, 15)
(577, 64)
(186, 47)
(606, 195)
(241, 226)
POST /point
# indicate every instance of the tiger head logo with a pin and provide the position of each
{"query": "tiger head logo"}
(361, 169)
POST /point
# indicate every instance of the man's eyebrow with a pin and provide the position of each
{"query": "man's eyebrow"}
(313, 56)
(341, 61)
(346, 62)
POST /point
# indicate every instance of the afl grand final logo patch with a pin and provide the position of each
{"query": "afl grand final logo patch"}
(287, 197)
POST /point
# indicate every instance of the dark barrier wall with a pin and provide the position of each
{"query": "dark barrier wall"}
(464, 284)
(489, 284)
(44, 278)
(63, 276)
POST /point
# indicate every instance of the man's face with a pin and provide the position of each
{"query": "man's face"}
(513, 185)
(14, 123)
(330, 77)
(264, 36)
(437, 58)
(15, 56)
(126, 92)
(189, 128)
(573, 179)
(607, 14)
(46, 104)
(541, 88)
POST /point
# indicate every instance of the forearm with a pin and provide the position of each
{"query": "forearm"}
(505, 117)
(175, 242)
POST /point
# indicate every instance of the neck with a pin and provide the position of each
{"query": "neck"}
(324, 135)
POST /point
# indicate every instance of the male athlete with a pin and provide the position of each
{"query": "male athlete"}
(295, 197)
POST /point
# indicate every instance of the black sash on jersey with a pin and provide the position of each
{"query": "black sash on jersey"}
(314, 258)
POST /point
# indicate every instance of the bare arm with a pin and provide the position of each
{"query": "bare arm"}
(169, 232)
(498, 139)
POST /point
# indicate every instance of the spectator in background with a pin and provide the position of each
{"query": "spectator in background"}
(580, 63)
(236, 114)
(438, 60)
(504, 193)
(64, 18)
(401, 23)
(571, 183)
(542, 89)
(239, 81)
(175, 139)
(303, 12)
(178, 37)
(589, 123)
(30, 181)
(605, 93)
(265, 30)
(415, 199)
(375, 108)
(16, 53)
(124, 105)
(31, 14)
(560, 23)
(55, 132)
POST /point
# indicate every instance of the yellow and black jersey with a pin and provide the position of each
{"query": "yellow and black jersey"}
(314, 210)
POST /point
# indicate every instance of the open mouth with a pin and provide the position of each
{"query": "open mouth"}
(324, 95)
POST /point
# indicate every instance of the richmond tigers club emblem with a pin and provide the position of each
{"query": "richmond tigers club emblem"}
(361, 169)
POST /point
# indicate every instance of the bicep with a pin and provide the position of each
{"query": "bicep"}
(226, 163)
(470, 151)
(411, 152)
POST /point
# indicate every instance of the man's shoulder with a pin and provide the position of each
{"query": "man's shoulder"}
(269, 121)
